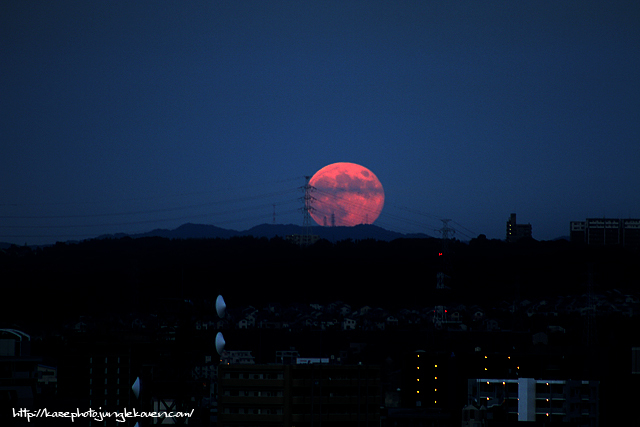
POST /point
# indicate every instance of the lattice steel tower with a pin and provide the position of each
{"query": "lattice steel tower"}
(306, 222)
(444, 255)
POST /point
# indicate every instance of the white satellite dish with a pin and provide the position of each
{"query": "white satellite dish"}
(221, 307)
(220, 343)
(136, 387)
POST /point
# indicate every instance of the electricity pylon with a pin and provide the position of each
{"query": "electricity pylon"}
(444, 255)
(306, 222)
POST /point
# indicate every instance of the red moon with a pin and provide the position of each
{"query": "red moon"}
(346, 194)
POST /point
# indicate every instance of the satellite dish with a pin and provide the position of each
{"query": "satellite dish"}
(221, 307)
(136, 387)
(220, 343)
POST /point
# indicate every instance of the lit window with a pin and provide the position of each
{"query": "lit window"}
(435, 378)
(418, 391)
(435, 366)
(418, 367)
(417, 379)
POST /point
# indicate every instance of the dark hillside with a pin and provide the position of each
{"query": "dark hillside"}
(123, 275)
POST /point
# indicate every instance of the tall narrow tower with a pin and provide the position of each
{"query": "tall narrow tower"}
(444, 254)
(306, 222)
(440, 310)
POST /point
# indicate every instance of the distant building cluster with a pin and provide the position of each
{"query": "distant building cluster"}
(340, 316)
(340, 386)
(302, 239)
(606, 232)
(517, 231)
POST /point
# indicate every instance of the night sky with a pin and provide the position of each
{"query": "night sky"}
(126, 116)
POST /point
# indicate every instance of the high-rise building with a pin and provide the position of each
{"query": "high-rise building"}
(96, 375)
(18, 371)
(517, 231)
(429, 384)
(432, 389)
(298, 395)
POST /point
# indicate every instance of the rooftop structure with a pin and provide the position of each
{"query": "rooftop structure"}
(606, 231)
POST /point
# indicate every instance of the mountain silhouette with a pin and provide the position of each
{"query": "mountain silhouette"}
(333, 234)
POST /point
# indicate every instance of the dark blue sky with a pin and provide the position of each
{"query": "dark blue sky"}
(134, 115)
